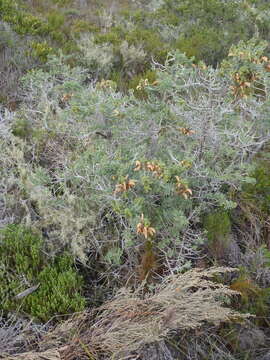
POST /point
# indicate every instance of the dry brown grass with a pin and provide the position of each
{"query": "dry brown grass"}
(130, 321)
(47, 355)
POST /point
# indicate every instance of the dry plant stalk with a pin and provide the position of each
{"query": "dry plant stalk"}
(47, 355)
(127, 323)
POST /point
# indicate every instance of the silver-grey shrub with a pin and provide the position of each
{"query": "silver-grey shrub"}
(84, 141)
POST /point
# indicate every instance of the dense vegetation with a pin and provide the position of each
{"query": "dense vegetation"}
(119, 40)
(134, 142)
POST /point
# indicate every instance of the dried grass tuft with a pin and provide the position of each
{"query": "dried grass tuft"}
(17, 335)
(132, 321)
(129, 322)
(47, 355)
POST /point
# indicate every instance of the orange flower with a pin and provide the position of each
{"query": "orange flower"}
(66, 97)
(186, 163)
(186, 131)
(267, 67)
(146, 231)
(150, 166)
(138, 166)
(182, 189)
(126, 185)
(264, 58)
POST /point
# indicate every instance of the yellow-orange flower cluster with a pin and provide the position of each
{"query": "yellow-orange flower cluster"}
(263, 60)
(106, 85)
(182, 189)
(142, 84)
(266, 60)
(146, 231)
(242, 85)
(124, 186)
(145, 82)
(149, 166)
(186, 163)
(186, 131)
(66, 97)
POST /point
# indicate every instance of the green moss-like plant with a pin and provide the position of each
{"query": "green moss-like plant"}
(23, 265)
(22, 129)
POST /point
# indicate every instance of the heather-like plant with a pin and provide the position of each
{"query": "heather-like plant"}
(33, 284)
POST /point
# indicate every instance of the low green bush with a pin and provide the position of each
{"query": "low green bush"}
(150, 41)
(22, 129)
(134, 83)
(254, 299)
(24, 264)
(41, 50)
(218, 227)
(113, 37)
(55, 20)
(259, 192)
(25, 23)
(81, 26)
(207, 29)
